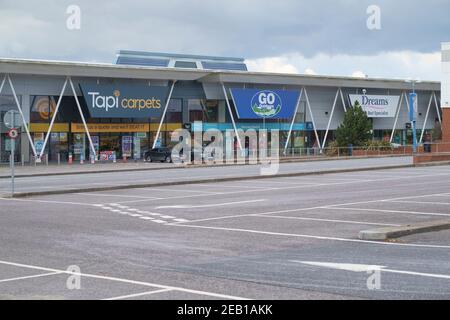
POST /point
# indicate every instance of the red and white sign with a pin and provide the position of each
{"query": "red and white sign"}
(13, 133)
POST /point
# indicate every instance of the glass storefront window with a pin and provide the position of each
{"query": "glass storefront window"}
(212, 111)
(174, 111)
(7, 103)
(195, 107)
(42, 109)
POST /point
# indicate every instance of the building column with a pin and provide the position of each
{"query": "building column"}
(445, 95)
(446, 125)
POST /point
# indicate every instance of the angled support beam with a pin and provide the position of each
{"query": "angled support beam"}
(437, 108)
(82, 116)
(24, 122)
(426, 117)
(232, 117)
(293, 120)
(342, 99)
(3, 83)
(164, 114)
(53, 118)
(331, 117)
(312, 117)
(399, 106)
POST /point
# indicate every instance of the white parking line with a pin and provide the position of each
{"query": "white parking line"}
(210, 205)
(180, 190)
(50, 201)
(142, 283)
(313, 237)
(30, 277)
(418, 202)
(387, 211)
(139, 294)
(95, 194)
(327, 220)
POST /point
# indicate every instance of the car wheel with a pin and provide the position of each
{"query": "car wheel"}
(168, 159)
(149, 159)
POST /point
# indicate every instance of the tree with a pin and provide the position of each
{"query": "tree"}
(355, 129)
(437, 131)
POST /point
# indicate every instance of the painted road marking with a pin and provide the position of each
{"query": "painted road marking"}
(327, 220)
(210, 205)
(139, 294)
(94, 194)
(181, 190)
(290, 187)
(313, 237)
(418, 202)
(30, 277)
(365, 268)
(142, 283)
(387, 211)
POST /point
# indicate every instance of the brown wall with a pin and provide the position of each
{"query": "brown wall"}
(445, 124)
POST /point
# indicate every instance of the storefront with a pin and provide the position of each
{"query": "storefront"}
(123, 107)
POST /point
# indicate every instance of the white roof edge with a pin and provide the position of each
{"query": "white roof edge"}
(205, 72)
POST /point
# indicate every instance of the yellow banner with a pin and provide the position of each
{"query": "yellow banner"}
(123, 127)
(43, 127)
(110, 127)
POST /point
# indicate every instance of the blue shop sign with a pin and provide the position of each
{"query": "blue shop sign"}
(256, 126)
(123, 100)
(260, 104)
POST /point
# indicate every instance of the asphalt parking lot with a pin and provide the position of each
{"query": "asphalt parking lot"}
(175, 174)
(276, 238)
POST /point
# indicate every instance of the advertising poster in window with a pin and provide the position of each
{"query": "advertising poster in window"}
(127, 145)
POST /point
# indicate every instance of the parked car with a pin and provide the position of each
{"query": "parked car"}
(162, 154)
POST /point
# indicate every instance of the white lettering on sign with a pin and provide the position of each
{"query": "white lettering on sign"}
(376, 106)
(104, 102)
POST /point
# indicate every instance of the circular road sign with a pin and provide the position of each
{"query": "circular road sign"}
(11, 119)
(13, 133)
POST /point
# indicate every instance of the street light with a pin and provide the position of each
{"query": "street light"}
(412, 108)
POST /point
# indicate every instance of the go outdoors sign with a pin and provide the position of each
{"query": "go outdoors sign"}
(258, 104)
(122, 100)
(376, 106)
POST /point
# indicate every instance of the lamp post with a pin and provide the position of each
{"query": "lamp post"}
(412, 110)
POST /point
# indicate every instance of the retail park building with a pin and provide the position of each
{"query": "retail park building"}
(126, 105)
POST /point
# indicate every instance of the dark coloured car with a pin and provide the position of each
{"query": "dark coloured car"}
(159, 154)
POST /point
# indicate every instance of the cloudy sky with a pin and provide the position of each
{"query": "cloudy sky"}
(328, 37)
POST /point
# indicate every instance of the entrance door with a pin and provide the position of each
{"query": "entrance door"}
(59, 144)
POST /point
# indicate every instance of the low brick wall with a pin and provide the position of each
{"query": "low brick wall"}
(399, 150)
(431, 157)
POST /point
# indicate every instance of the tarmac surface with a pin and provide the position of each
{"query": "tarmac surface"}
(275, 238)
(180, 174)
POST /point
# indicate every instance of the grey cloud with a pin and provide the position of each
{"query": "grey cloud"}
(252, 28)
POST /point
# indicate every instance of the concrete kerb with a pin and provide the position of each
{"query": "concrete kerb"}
(199, 181)
(387, 233)
(285, 160)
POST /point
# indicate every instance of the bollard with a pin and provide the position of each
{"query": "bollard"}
(70, 160)
(81, 159)
(46, 159)
(59, 158)
(114, 157)
(22, 156)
